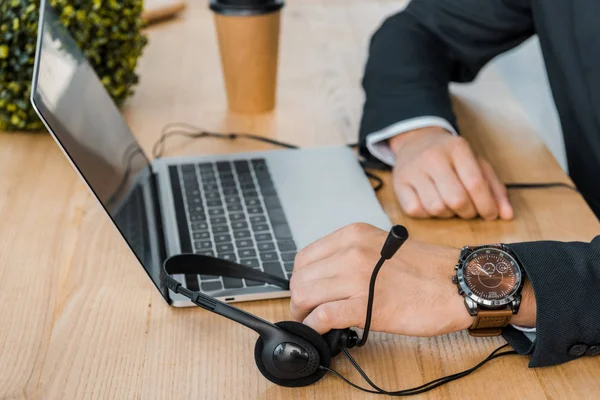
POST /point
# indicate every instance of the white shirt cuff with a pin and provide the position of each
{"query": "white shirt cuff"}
(377, 141)
(523, 329)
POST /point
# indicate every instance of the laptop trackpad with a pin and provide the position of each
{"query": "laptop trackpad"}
(323, 189)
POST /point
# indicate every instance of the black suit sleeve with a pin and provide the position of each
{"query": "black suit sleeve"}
(566, 280)
(416, 53)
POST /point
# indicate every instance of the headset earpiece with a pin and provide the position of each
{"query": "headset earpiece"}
(292, 358)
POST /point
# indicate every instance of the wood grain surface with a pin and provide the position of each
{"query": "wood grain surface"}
(79, 319)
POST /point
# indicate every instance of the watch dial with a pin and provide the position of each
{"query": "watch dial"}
(492, 274)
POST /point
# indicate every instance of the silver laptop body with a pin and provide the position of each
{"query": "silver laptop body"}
(254, 208)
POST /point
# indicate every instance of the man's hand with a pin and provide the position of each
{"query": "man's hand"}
(438, 175)
(414, 293)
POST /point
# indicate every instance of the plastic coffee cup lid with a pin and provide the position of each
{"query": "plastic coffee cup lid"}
(245, 7)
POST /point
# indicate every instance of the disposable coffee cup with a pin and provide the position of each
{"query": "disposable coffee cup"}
(248, 35)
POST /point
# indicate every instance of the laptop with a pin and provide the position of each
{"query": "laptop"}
(254, 208)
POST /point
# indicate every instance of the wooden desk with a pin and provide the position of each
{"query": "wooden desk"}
(80, 319)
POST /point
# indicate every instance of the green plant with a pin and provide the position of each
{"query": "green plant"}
(108, 31)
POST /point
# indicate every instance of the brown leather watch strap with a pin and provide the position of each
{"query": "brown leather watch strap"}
(490, 322)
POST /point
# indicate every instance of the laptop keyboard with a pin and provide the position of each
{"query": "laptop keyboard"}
(231, 210)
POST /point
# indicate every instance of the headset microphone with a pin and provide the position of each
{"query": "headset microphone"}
(289, 353)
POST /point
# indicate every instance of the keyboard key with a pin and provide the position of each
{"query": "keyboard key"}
(203, 244)
(223, 166)
(227, 256)
(268, 191)
(239, 225)
(249, 193)
(214, 203)
(216, 212)
(224, 247)
(258, 218)
(218, 220)
(266, 246)
(199, 226)
(193, 201)
(260, 227)
(225, 176)
(191, 281)
(252, 202)
(273, 268)
(286, 245)
(247, 253)
(232, 200)
(209, 253)
(289, 267)
(208, 277)
(208, 180)
(269, 256)
(244, 243)
(197, 217)
(210, 187)
(264, 181)
(288, 256)
(220, 229)
(250, 283)
(237, 217)
(245, 178)
(223, 237)
(255, 210)
(212, 195)
(229, 185)
(241, 167)
(272, 202)
(242, 234)
(234, 207)
(211, 286)
(230, 192)
(251, 262)
(193, 193)
(186, 168)
(280, 226)
(201, 235)
(264, 237)
(205, 166)
(248, 186)
(196, 209)
(232, 283)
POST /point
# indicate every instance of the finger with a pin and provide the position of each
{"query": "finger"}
(472, 178)
(310, 294)
(409, 201)
(337, 315)
(430, 197)
(330, 244)
(498, 189)
(318, 250)
(452, 191)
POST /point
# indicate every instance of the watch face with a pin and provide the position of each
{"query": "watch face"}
(490, 276)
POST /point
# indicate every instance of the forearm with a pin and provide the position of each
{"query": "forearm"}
(565, 278)
(406, 76)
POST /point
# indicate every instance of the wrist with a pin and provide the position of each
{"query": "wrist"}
(527, 312)
(397, 142)
(455, 306)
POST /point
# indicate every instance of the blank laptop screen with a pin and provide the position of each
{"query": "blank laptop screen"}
(83, 118)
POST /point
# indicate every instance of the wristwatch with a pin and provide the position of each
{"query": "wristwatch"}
(490, 278)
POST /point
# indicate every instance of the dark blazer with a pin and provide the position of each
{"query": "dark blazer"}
(415, 55)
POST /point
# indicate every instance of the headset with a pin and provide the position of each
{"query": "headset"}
(289, 353)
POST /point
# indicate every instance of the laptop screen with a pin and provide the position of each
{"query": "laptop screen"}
(81, 115)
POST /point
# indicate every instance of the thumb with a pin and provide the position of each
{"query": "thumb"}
(505, 210)
(338, 314)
